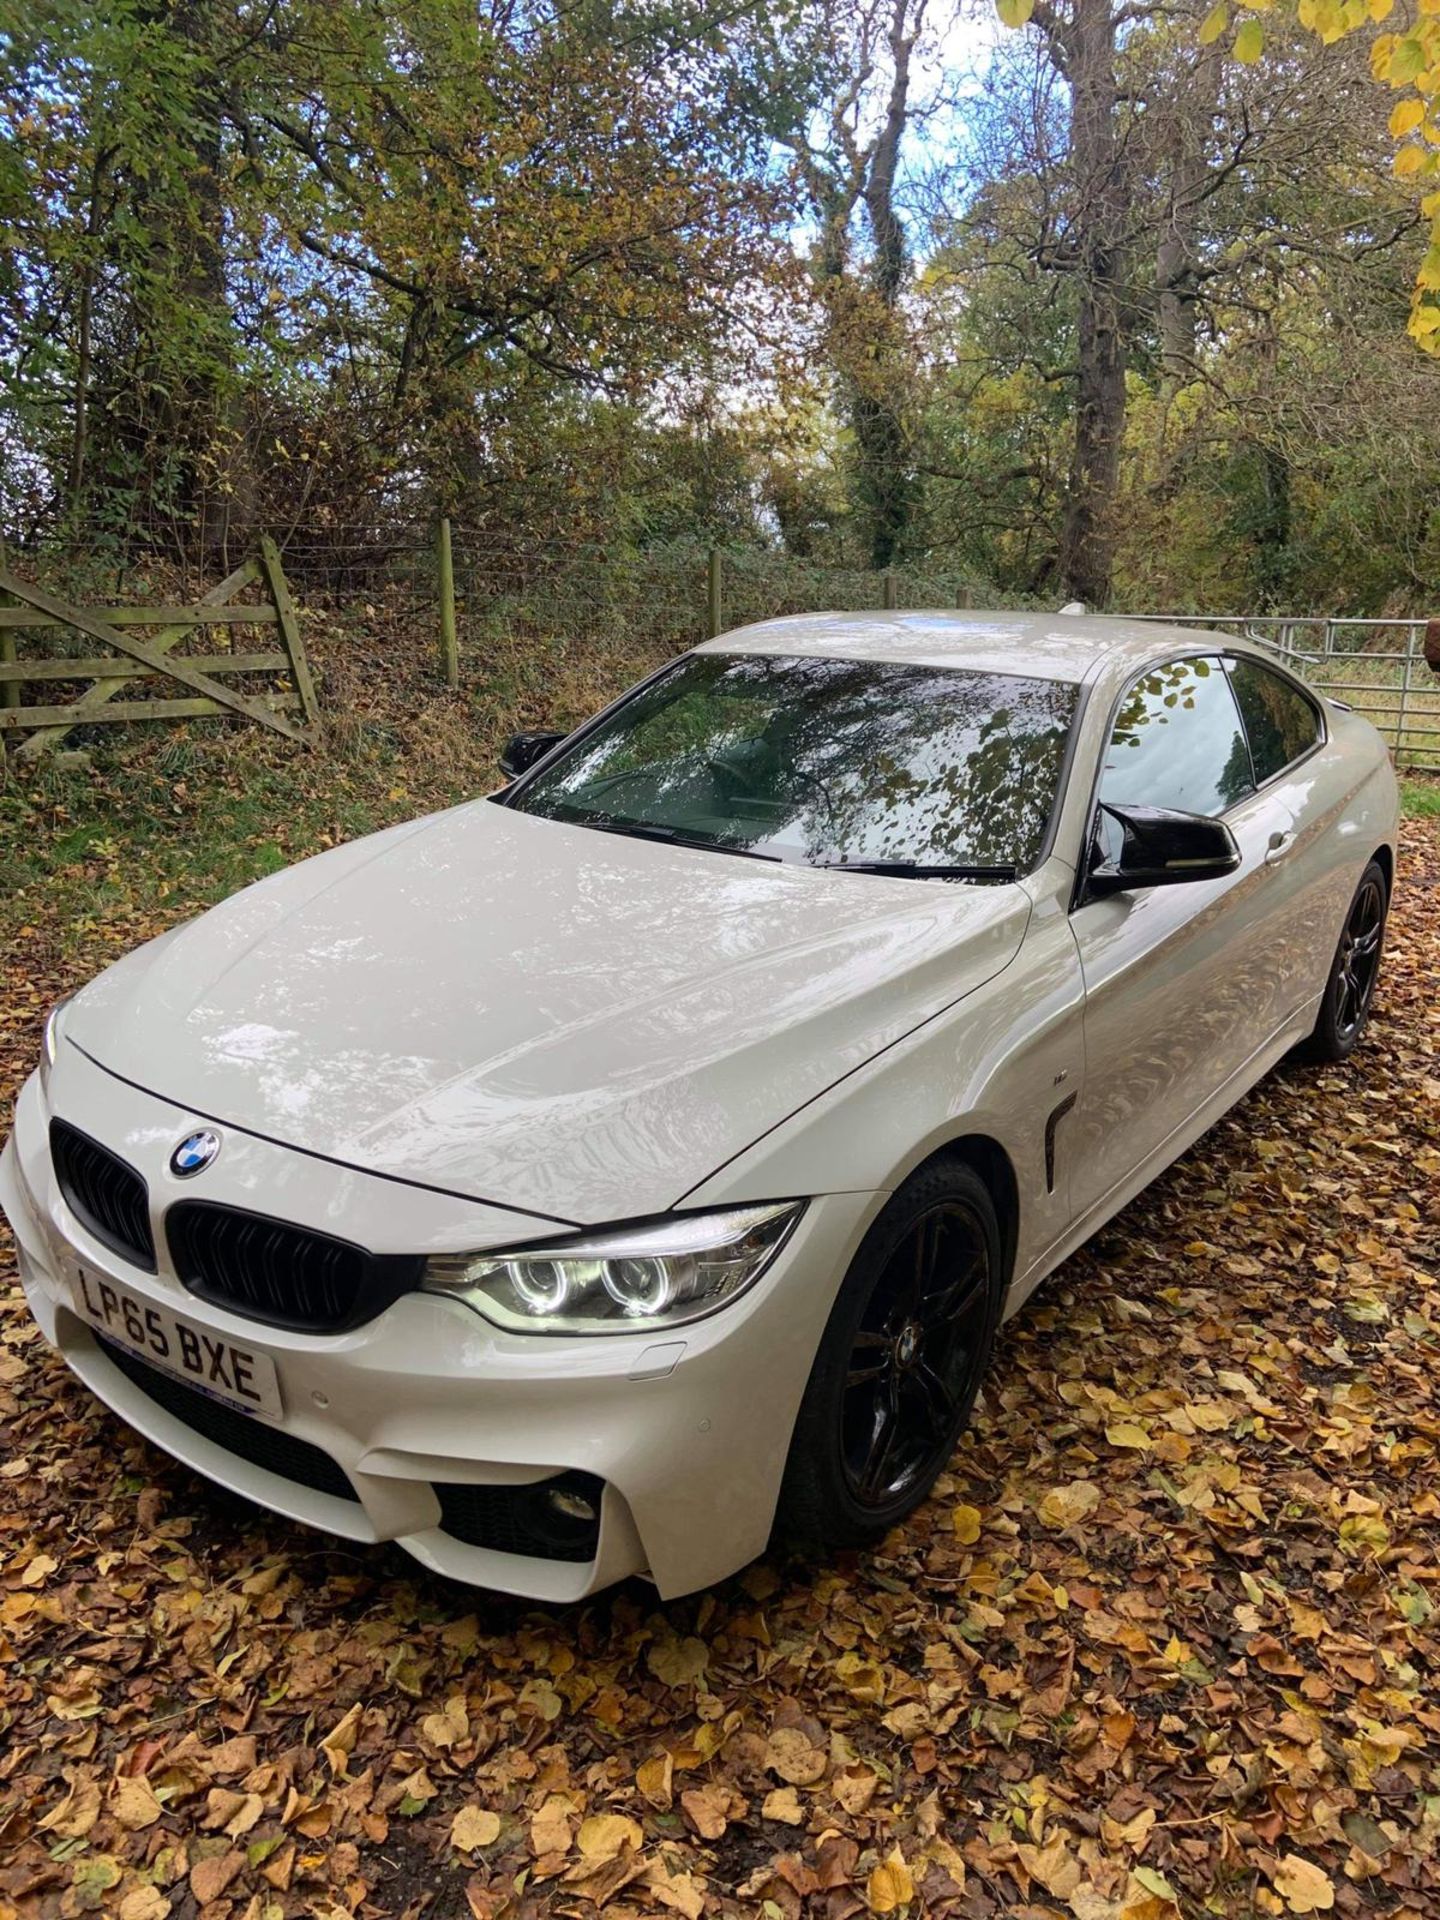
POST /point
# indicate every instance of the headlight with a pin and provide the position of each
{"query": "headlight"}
(50, 1046)
(626, 1280)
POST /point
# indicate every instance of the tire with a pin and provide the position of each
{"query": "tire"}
(910, 1336)
(1350, 987)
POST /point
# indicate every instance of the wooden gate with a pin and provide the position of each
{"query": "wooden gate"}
(134, 660)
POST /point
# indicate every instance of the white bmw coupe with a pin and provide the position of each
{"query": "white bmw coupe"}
(608, 1173)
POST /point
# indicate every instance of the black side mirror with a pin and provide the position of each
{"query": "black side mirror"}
(1162, 848)
(522, 750)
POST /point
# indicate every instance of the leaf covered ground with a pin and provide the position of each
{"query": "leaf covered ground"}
(1164, 1640)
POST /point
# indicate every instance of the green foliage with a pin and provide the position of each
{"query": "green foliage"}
(221, 233)
(1420, 797)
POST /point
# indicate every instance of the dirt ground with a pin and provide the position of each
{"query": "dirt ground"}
(1164, 1640)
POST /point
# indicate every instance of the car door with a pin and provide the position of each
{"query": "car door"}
(1182, 989)
(1298, 766)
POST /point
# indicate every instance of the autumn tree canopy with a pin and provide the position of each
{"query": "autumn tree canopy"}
(1116, 307)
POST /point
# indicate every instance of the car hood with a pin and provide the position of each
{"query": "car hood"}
(537, 1014)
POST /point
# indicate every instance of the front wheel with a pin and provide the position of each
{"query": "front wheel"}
(899, 1364)
(1353, 972)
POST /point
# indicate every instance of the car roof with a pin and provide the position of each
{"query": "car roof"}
(1055, 646)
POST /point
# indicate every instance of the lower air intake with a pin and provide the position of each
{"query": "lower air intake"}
(555, 1519)
(253, 1440)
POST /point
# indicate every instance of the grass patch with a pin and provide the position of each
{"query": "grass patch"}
(1420, 796)
(162, 823)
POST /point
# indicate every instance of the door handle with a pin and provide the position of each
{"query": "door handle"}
(1277, 847)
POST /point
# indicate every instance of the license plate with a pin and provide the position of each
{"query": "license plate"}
(241, 1378)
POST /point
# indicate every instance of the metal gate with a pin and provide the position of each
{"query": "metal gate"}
(1376, 666)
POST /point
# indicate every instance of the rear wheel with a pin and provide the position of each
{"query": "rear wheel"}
(1356, 967)
(899, 1365)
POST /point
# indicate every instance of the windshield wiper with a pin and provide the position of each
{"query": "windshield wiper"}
(915, 870)
(671, 836)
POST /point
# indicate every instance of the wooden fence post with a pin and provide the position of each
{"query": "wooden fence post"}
(289, 628)
(9, 689)
(891, 598)
(714, 594)
(449, 644)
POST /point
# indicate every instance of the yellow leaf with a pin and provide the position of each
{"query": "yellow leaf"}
(1409, 160)
(339, 1743)
(1429, 273)
(679, 1663)
(1014, 13)
(474, 1827)
(1302, 1886)
(1249, 43)
(861, 1677)
(966, 1522)
(1125, 1433)
(143, 1903)
(133, 1803)
(1407, 60)
(1054, 1866)
(1406, 117)
(1364, 1532)
(1381, 9)
(604, 1835)
(792, 1754)
(1064, 1506)
(1211, 28)
(655, 1779)
(783, 1804)
(550, 1826)
(890, 1886)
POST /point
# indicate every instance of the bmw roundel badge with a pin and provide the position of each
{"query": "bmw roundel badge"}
(194, 1153)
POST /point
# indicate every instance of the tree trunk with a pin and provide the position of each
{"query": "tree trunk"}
(1177, 255)
(887, 484)
(1087, 540)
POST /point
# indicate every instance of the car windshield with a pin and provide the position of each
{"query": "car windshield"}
(861, 763)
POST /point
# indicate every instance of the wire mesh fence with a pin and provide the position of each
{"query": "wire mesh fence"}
(524, 611)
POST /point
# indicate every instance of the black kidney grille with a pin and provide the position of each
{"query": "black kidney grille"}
(253, 1440)
(107, 1197)
(285, 1275)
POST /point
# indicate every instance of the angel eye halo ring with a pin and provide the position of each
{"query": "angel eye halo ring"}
(660, 1273)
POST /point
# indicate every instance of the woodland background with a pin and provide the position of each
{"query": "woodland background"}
(1089, 309)
(1114, 302)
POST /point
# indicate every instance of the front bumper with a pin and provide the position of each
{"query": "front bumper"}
(688, 1432)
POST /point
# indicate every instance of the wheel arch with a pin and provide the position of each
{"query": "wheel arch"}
(1384, 858)
(984, 1155)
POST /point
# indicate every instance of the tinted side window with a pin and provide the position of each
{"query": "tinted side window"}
(1178, 742)
(1280, 721)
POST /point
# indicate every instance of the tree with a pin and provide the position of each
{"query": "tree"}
(1405, 58)
(218, 215)
(849, 165)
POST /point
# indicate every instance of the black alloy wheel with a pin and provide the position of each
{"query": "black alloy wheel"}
(916, 1357)
(900, 1362)
(1354, 971)
(1357, 963)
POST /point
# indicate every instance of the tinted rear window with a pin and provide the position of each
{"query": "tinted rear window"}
(1281, 722)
